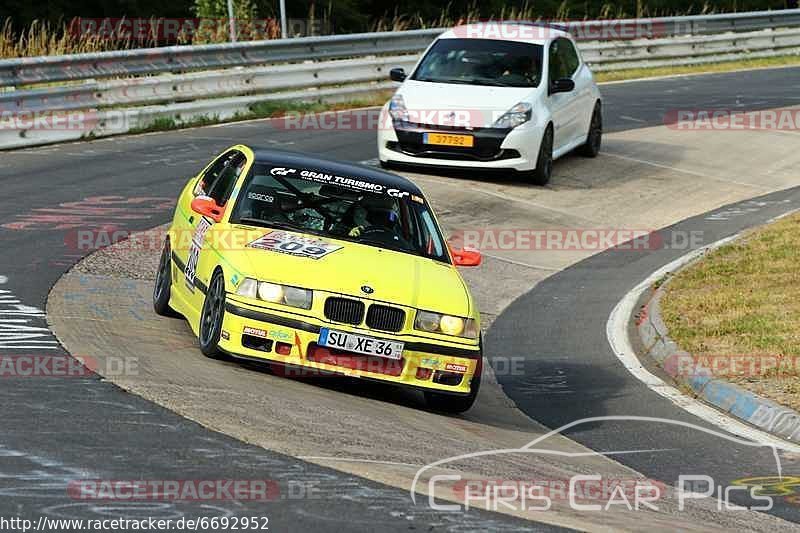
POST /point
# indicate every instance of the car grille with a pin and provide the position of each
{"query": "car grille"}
(486, 147)
(385, 318)
(344, 310)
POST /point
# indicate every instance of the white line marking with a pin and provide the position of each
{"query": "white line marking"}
(353, 460)
(502, 195)
(520, 263)
(617, 333)
(632, 119)
(681, 170)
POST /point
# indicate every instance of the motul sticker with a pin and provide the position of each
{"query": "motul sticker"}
(455, 368)
(255, 332)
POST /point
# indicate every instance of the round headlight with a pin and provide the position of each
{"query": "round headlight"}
(270, 292)
(427, 321)
(452, 325)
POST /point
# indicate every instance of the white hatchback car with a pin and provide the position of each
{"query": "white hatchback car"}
(493, 95)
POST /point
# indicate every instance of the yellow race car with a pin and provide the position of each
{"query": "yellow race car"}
(325, 267)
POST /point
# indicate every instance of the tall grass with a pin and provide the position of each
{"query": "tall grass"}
(528, 11)
(42, 38)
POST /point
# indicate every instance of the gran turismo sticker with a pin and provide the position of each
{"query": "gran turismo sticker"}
(289, 243)
(194, 252)
(354, 184)
(455, 368)
(282, 171)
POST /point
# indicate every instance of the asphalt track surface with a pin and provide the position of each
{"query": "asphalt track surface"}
(57, 430)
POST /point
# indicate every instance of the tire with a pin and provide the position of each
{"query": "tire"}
(595, 136)
(544, 161)
(211, 317)
(453, 404)
(162, 287)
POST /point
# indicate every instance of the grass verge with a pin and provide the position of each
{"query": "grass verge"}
(725, 66)
(742, 303)
(270, 109)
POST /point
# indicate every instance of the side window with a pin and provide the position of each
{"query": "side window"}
(554, 62)
(569, 57)
(219, 179)
(210, 175)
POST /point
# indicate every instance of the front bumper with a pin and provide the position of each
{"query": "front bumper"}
(258, 333)
(494, 148)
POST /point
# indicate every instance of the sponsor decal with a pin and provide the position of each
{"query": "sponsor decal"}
(432, 363)
(353, 184)
(453, 367)
(225, 335)
(279, 335)
(194, 252)
(260, 197)
(255, 332)
(282, 171)
(397, 193)
(289, 243)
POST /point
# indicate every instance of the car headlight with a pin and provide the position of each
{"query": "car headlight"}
(397, 108)
(519, 114)
(446, 324)
(275, 293)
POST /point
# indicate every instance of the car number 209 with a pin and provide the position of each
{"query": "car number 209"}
(289, 243)
(351, 342)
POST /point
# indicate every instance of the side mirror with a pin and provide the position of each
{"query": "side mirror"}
(206, 206)
(397, 74)
(466, 257)
(562, 85)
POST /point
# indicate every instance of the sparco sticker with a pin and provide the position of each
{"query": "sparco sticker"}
(289, 243)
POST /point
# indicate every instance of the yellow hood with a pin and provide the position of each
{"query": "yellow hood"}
(395, 277)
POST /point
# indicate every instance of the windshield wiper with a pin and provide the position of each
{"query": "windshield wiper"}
(489, 82)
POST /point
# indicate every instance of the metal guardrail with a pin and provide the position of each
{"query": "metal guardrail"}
(116, 92)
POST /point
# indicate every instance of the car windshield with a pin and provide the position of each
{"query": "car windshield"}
(341, 207)
(482, 62)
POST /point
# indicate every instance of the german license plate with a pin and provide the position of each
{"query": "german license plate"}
(350, 342)
(448, 139)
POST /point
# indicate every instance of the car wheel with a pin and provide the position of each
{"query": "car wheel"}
(452, 404)
(163, 285)
(593, 140)
(544, 161)
(211, 317)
